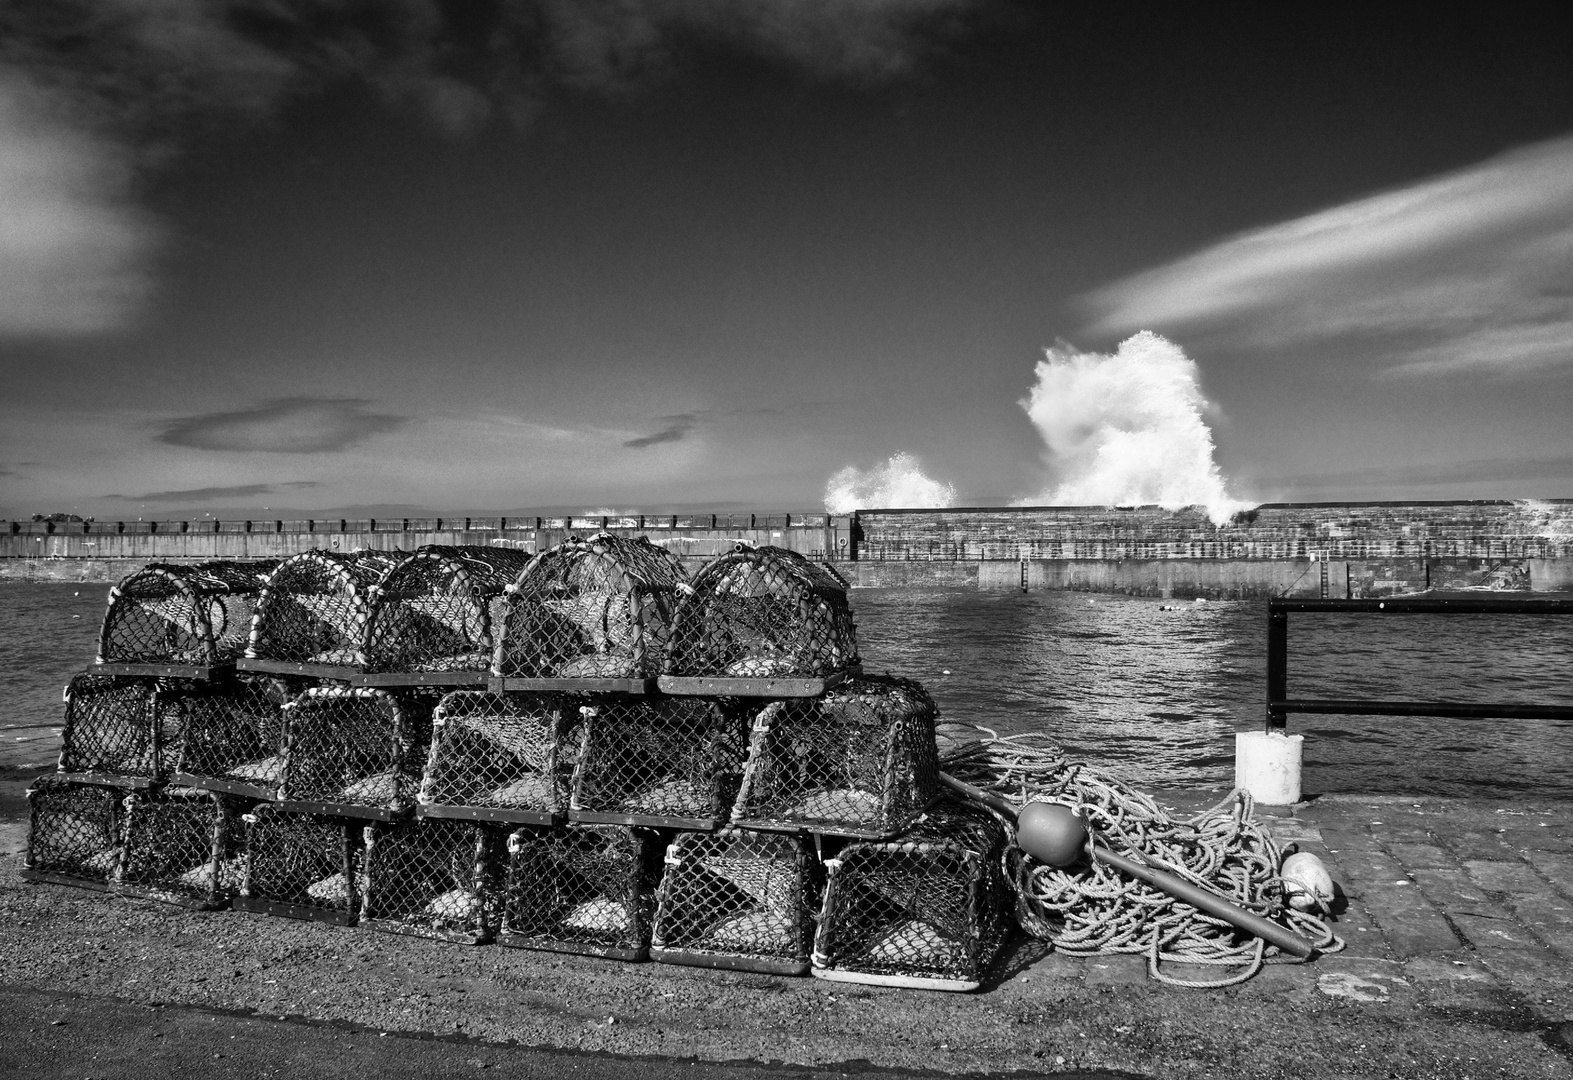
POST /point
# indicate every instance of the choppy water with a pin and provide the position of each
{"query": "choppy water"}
(1154, 689)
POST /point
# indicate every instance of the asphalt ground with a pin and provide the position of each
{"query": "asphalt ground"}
(1459, 918)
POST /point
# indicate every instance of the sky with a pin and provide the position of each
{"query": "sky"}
(283, 257)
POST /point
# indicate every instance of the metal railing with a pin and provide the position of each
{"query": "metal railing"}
(1280, 704)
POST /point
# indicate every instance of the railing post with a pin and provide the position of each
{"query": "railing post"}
(1277, 667)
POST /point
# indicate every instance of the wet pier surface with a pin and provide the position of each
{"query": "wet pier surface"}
(1458, 916)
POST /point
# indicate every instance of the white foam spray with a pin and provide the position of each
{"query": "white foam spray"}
(899, 482)
(1126, 429)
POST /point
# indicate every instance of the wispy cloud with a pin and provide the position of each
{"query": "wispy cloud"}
(208, 494)
(284, 426)
(1468, 271)
(677, 428)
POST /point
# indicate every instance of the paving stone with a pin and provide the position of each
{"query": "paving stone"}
(1550, 836)
(1550, 918)
(1459, 982)
(1058, 966)
(1415, 856)
(1489, 934)
(1374, 982)
(1513, 877)
(1469, 844)
(1118, 970)
(1555, 867)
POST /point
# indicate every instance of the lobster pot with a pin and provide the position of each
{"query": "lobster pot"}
(737, 899)
(430, 616)
(587, 889)
(169, 619)
(926, 909)
(500, 757)
(302, 866)
(761, 621)
(119, 730)
(435, 879)
(673, 762)
(859, 761)
(311, 616)
(233, 734)
(596, 613)
(355, 750)
(75, 832)
(182, 846)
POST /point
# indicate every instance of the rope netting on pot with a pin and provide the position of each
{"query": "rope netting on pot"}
(500, 757)
(233, 733)
(672, 762)
(302, 866)
(596, 613)
(858, 761)
(311, 617)
(587, 889)
(761, 621)
(430, 617)
(1090, 908)
(172, 619)
(435, 879)
(182, 846)
(75, 832)
(355, 750)
(737, 899)
(929, 908)
(118, 729)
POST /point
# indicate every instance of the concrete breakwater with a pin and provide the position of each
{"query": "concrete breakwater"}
(1295, 549)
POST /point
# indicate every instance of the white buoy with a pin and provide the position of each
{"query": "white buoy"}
(1267, 764)
(1307, 884)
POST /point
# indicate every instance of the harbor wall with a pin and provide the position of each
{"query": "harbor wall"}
(1306, 549)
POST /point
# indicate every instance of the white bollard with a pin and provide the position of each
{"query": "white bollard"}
(1267, 764)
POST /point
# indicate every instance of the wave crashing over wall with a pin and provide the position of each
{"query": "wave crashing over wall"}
(1126, 429)
(899, 482)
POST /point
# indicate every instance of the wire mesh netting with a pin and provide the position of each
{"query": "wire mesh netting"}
(197, 614)
(586, 889)
(302, 866)
(431, 613)
(858, 761)
(182, 846)
(927, 908)
(737, 899)
(763, 613)
(75, 832)
(233, 734)
(500, 757)
(667, 762)
(356, 750)
(116, 726)
(589, 609)
(315, 606)
(434, 878)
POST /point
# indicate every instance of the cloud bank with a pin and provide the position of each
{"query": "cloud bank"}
(1126, 429)
(97, 95)
(899, 482)
(284, 426)
(1465, 272)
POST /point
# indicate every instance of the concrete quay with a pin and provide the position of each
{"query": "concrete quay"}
(1458, 916)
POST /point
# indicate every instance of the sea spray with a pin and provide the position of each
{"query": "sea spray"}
(1126, 428)
(899, 482)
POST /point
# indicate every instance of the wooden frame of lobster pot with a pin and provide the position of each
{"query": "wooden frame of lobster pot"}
(585, 889)
(761, 622)
(430, 620)
(302, 866)
(588, 615)
(311, 617)
(928, 909)
(506, 757)
(434, 879)
(180, 620)
(858, 761)
(737, 899)
(355, 751)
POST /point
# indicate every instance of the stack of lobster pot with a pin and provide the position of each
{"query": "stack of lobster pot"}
(118, 814)
(368, 641)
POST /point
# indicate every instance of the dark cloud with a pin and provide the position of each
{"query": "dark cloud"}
(677, 429)
(207, 494)
(284, 426)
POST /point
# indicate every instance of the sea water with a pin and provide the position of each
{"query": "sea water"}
(1152, 690)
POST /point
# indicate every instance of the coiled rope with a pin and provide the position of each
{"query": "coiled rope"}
(1090, 908)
